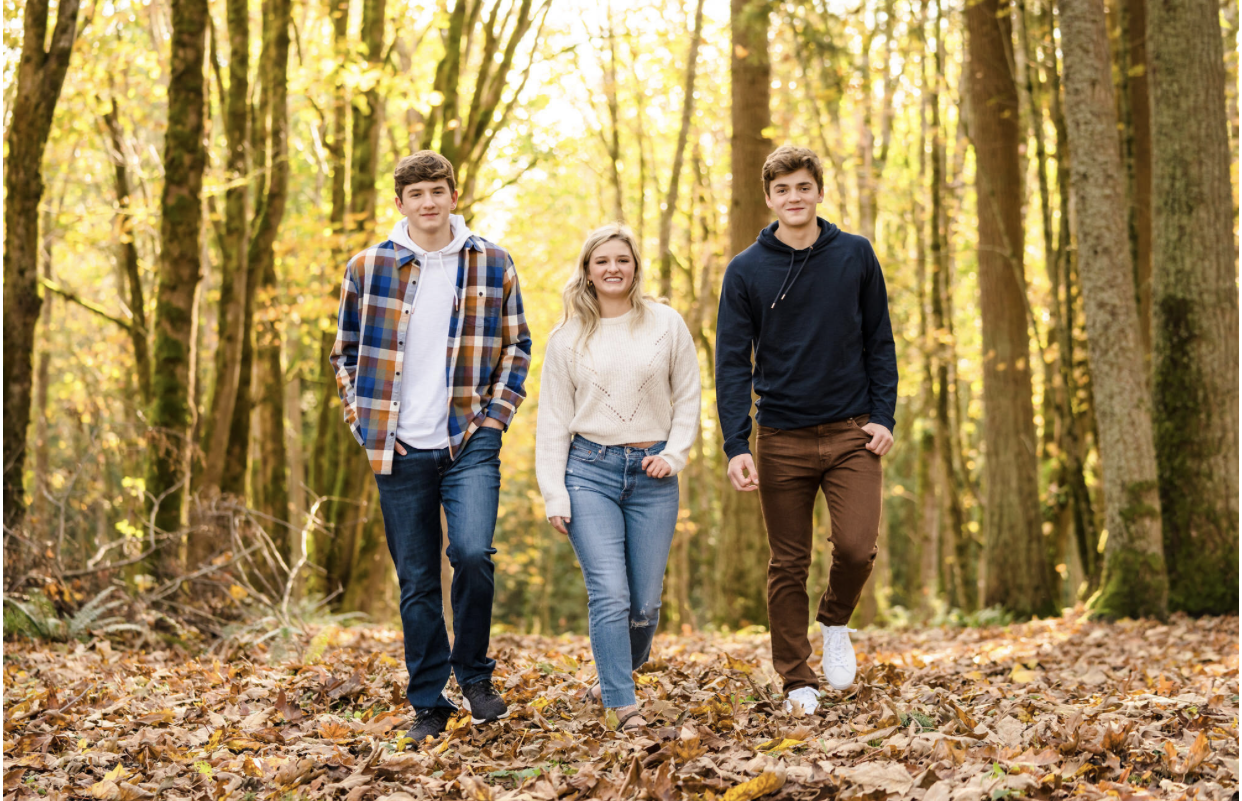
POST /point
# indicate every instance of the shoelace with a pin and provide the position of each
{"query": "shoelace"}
(838, 641)
(486, 691)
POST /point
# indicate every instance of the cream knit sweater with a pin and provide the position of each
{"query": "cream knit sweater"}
(631, 382)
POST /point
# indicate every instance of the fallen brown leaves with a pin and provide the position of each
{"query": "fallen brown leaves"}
(1050, 709)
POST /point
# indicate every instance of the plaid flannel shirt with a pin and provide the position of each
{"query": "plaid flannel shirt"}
(488, 352)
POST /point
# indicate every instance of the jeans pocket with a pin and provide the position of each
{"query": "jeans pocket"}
(582, 454)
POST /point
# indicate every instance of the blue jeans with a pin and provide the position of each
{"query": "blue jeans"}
(621, 526)
(411, 496)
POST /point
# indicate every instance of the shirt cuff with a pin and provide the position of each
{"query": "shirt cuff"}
(557, 507)
(883, 419)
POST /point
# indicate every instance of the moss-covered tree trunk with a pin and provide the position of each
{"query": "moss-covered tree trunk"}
(1195, 303)
(353, 481)
(1134, 582)
(330, 429)
(272, 490)
(742, 552)
(367, 117)
(234, 275)
(40, 76)
(171, 411)
(1017, 574)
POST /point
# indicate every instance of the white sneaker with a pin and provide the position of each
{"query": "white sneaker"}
(807, 698)
(839, 663)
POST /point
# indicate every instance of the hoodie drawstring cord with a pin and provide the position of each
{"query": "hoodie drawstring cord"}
(780, 292)
(784, 290)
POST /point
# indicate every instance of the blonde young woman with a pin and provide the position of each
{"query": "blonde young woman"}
(618, 412)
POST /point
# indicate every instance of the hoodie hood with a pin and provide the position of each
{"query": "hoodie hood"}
(827, 232)
(767, 237)
(457, 224)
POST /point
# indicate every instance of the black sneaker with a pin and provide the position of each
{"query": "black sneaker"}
(483, 702)
(429, 723)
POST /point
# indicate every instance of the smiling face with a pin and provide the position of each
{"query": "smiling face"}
(427, 205)
(610, 267)
(795, 197)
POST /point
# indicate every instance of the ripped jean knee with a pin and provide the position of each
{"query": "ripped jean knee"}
(644, 618)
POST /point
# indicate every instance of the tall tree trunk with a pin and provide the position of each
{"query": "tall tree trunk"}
(613, 141)
(40, 76)
(329, 428)
(234, 275)
(742, 551)
(1134, 581)
(128, 251)
(1134, 39)
(42, 447)
(1017, 575)
(1194, 296)
(1061, 280)
(925, 544)
(180, 267)
(273, 490)
(674, 181)
(353, 549)
(959, 586)
(367, 113)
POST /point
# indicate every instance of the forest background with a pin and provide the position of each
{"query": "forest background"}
(1052, 192)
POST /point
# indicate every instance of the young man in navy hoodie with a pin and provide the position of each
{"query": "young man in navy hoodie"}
(804, 322)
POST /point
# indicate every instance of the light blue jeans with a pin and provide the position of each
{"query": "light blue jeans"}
(621, 526)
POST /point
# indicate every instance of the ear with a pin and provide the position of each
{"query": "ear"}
(768, 200)
(454, 197)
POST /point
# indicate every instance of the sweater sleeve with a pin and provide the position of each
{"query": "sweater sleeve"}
(735, 334)
(552, 435)
(880, 356)
(685, 391)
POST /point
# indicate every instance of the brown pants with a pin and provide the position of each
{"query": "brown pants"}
(793, 466)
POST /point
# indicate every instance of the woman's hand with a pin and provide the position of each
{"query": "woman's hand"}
(656, 467)
(559, 524)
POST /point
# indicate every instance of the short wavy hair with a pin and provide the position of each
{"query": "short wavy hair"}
(788, 158)
(425, 165)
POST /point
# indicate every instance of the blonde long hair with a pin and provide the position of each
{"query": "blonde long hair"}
(580, 300)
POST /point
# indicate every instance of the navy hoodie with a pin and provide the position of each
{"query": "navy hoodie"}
(817, 321)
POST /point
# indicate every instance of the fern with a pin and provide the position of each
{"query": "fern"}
(37, 618)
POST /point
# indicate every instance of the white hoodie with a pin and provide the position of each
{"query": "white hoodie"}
(423, 418)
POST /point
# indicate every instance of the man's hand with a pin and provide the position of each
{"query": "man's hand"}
(400, 449)
(742, 473)
(558, 523)
(492, 422)
(881, 439)
(656, 466)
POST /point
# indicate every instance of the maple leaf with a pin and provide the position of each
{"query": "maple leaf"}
(334, 731)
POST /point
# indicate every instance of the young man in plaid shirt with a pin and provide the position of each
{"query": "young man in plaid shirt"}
(431, 356)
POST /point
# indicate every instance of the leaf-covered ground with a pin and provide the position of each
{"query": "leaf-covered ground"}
(1050, 709)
